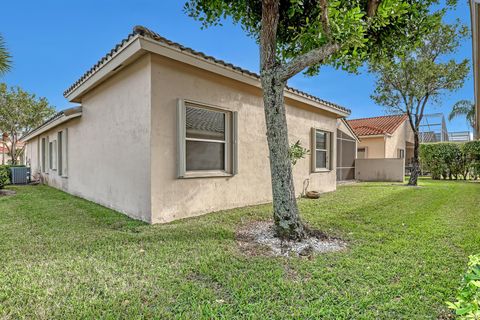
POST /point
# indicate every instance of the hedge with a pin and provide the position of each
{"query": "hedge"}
(451, 160)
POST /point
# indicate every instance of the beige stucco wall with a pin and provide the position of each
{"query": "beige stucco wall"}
(398, 140)
(108, 146)
(387, 146)
(122, 150)
(380, 170)
(174, 198)
(375, 146)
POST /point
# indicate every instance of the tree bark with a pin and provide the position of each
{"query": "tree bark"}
(413, 181)
(285, 211)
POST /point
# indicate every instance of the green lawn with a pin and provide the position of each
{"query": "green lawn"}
(67, 258)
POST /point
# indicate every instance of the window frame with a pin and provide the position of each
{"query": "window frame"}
(329, 144)
(366, 152)
(52, 155)
(230, 141)
(60, 153)
(400, 153)
(43, 152)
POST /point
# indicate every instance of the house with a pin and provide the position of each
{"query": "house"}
(163, 132)
(384, 137)
(475, 17)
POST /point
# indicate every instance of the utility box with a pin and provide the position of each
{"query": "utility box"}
(20, 175)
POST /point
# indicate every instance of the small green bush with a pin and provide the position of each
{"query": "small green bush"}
(297, 152)
(467, 305)
(4, 176)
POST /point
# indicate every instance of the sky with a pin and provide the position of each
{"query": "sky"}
(54, 42)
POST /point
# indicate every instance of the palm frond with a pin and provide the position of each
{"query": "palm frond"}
(464, 108)
(5, 58)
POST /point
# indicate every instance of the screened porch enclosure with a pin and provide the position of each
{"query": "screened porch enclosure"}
(346, 153)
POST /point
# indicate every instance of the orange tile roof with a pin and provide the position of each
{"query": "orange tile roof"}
(377, 125)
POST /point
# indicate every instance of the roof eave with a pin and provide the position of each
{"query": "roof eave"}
(124, 56)
(67, 115)
(139, 45)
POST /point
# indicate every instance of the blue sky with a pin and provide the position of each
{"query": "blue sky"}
(53, 42)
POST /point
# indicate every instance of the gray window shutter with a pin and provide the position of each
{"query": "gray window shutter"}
(313, 152)
(180, 138)
(234, 143)
(65, 154)
(60, 153)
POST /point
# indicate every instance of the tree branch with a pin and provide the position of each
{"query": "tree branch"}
(324, 16)
(268, 34)
(372, 7)
(311, 58)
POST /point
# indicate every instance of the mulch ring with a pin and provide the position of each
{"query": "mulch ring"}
(5, 192)
(258, 239)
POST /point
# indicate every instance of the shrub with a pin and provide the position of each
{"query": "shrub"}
(297, 152)
(467, 305)
(451, 160)
(4, 176)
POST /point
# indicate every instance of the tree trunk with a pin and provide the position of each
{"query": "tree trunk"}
(13, 150)
(413, 181)
(285, 211)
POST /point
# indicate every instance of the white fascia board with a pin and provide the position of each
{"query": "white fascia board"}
(49, 126)
(198, 62)
(130, 51)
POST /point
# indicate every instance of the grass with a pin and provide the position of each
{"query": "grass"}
(66, 258)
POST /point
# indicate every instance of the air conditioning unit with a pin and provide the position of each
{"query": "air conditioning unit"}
(20, 175)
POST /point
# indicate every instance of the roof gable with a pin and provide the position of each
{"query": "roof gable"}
(383, 125)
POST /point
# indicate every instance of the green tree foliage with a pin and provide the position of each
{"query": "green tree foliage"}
(5, 58)
(302, 35)
(450, 160)
(20, 112)
(467, 305)
(465, 108)
(420, 75)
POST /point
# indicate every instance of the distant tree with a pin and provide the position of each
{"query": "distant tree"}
(407, 82)
(464, 108)
(298, 35)
(20, 112)
(5, 58)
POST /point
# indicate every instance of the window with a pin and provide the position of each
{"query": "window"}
(401, 153)
(44, 155)
(206, 140)
(52, 154)
(361, 153)
(60, 152)
(322, 146)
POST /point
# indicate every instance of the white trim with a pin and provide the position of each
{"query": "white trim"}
(139, 45)
(49, 126)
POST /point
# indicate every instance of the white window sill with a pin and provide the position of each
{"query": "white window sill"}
(205, 174)
(322, 170)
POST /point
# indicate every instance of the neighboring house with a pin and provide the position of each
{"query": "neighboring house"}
(194, 128)
(384, 137)
(347, 142)
(475, 16)
(5, 157)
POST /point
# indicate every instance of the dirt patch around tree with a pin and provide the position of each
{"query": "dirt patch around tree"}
(5, 192)
(258, 239)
